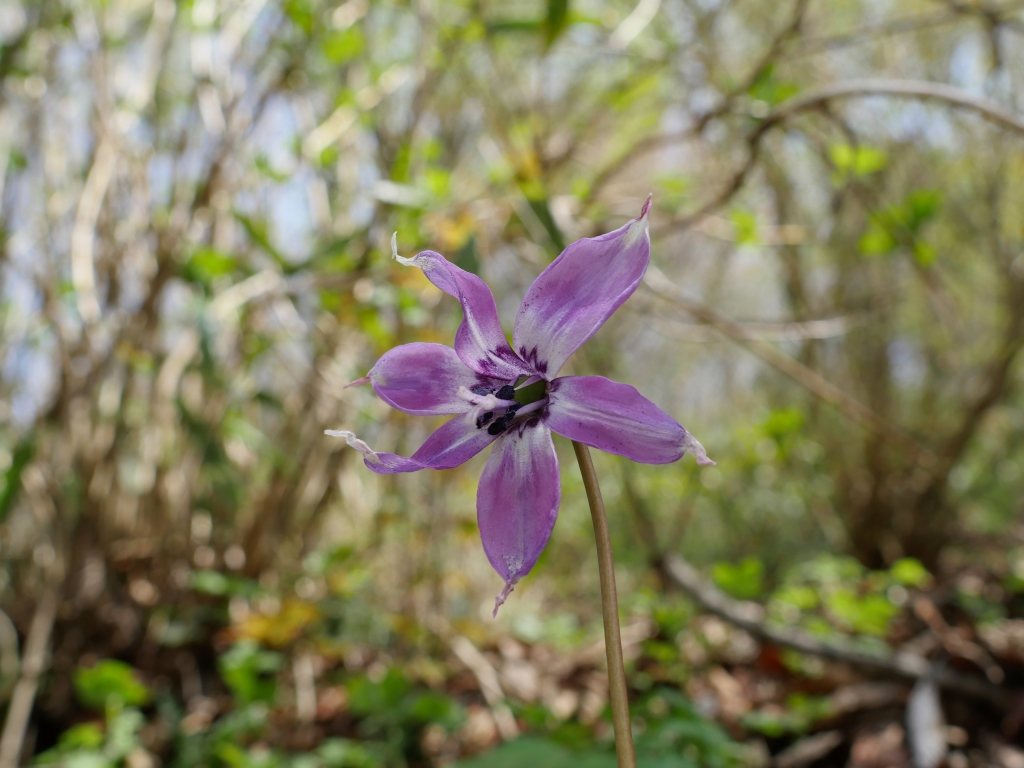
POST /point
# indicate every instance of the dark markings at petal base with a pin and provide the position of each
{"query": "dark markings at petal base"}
(530, 356)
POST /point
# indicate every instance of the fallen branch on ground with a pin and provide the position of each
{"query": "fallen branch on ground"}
(751, 618)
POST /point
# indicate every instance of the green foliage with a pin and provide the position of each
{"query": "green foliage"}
(11, 482)
(901, 225)
(555, 21)
(532, 750)
(90, 746)
(670, 733)
(744, 225)
(207, 265)
(835, 595)
(910, 573)
(798, 716)
(770, 89)
(856, 161)
(394, 711)
(249, 672)
(110, 684)
(743, 579)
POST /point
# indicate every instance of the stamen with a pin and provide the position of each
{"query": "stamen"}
(480, 389)
(507, 392)
(483, 418)
(522, 410)
(529, 393)
(486, 402)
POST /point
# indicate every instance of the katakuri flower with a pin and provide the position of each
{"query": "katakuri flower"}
(513, 396)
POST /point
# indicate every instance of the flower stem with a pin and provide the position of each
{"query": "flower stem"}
(617, 693)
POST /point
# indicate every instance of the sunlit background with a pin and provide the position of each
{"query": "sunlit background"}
(196, 206)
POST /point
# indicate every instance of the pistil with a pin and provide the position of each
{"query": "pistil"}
(531, 391)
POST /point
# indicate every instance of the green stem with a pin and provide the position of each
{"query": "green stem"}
(617, 692)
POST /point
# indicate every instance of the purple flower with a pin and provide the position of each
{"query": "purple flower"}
(514, 397)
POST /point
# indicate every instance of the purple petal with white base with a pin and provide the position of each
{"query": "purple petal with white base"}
(480, 341)
(423, 378)
(616, 418)
(571, 299)
(517, 502)
(453, 443)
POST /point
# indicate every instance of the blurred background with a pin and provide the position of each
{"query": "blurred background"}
(196, 202)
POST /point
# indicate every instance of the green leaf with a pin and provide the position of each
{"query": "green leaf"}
(743, 580)
(82, 736)
(11, 482)
(342, 46)
(769, 89)
(259, 232)
(300, 13)
(123, 732)
(909, 572)
(370, 697)
(207, 264)
(924, 253)
(877, 240)
(857, 161)
(556, 21)
(110, 683)
(211, 583)
(343, 753)
(801, 597)
(867, 614)
(920, 207)
(744, 224)
(436, 708)
(249, 670)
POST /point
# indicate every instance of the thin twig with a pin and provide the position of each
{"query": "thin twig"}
(617, 692)
(810, 379)
(490, 685)
(818, 98)
(37, 649)
(920, 90)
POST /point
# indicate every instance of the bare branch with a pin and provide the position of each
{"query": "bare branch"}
(751, 618)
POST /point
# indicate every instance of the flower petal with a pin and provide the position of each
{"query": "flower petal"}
(480, 342)
(517, 502)
(453, 443)
(424, 378)
(571, 299)
(616, 418)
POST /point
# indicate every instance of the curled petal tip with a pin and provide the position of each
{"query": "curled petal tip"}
(646, 208)
(352, 440)
(394, 253)
(692, 445)
(500, 599)
(357, 383)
